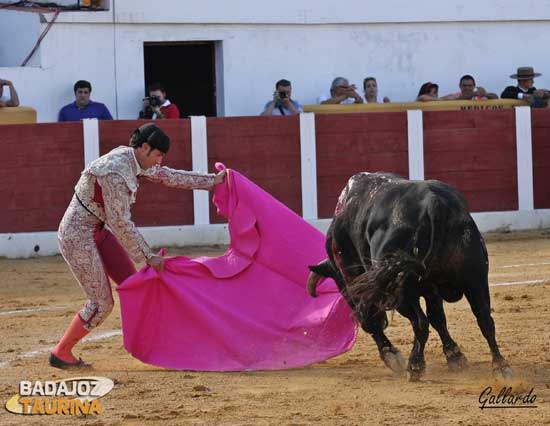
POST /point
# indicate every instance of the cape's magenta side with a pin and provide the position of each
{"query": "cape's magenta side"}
(247, 309)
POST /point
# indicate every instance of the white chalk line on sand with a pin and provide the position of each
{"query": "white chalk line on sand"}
(40, 309)
(36, 352)
(520, 282)
(521, 265)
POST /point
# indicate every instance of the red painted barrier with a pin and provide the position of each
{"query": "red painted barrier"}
(352, 143)
(474, 151)
(540, 119)
(264, 149)
(42, 163)
(157, 205)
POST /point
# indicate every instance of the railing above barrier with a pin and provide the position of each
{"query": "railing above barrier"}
(496, 104)
(17, 115)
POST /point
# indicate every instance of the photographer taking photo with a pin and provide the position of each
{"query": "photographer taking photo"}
(282, 104)
(156, 106)
(341, 92)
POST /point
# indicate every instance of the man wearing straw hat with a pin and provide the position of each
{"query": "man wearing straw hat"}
(525, 89)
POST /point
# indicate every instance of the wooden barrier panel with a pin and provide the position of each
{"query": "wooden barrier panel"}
(43, 164)
(475, 151)
(425, 106)
(540, 119)
(264, 149)
(352, 143)
(156, 205)
(17, 115)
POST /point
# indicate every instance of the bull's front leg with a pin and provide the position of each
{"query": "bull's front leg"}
(436, 315)
(374, 322)
(411, 309)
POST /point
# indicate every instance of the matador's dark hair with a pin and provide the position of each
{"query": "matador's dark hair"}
(151, 134)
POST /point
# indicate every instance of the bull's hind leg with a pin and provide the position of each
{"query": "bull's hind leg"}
(413, 312)
(479, 299)
(374, 322)
(436, 315)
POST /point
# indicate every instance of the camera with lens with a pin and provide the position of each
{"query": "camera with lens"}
(147, 112)
(154, 101)
(282, 95)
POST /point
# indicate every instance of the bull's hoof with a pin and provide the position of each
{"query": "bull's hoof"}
(415, 371)
(505, 372)
(393, 359)
(457, 363)
(413, 375)
(502, 369)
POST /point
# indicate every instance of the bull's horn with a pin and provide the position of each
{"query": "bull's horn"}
(312, 282)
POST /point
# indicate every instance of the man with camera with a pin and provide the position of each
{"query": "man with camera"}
(13, 100)
(282, 104)
(156, 106)
(341, 92)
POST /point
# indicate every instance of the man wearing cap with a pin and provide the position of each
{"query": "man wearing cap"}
(103, 196)
(525, 88)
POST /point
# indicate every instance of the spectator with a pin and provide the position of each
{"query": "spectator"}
(428, 92)
(13, 100)
(469, 91)
(370, 87)
(157, 106)
(341, 93)
(83, 106)
(282, 103)
(526, 89)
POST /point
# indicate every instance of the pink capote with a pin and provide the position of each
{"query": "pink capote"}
(245, 310)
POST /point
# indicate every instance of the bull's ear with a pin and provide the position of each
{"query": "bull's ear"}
(322, 268)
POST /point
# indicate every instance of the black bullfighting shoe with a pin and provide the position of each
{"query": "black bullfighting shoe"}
(64, 365)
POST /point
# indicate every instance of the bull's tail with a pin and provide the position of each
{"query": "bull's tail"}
(435, 216)
(383, 285)
(431, 213)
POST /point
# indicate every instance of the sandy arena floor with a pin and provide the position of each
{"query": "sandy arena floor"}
(38, 297)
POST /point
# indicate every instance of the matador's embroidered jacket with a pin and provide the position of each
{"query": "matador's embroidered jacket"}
(107, 189)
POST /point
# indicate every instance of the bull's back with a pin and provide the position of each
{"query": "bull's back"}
(445, 234)
(393, 202)
(384, 213)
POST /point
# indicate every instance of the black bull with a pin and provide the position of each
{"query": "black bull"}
(393, 241)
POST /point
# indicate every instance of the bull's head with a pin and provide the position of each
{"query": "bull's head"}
(384, 285)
